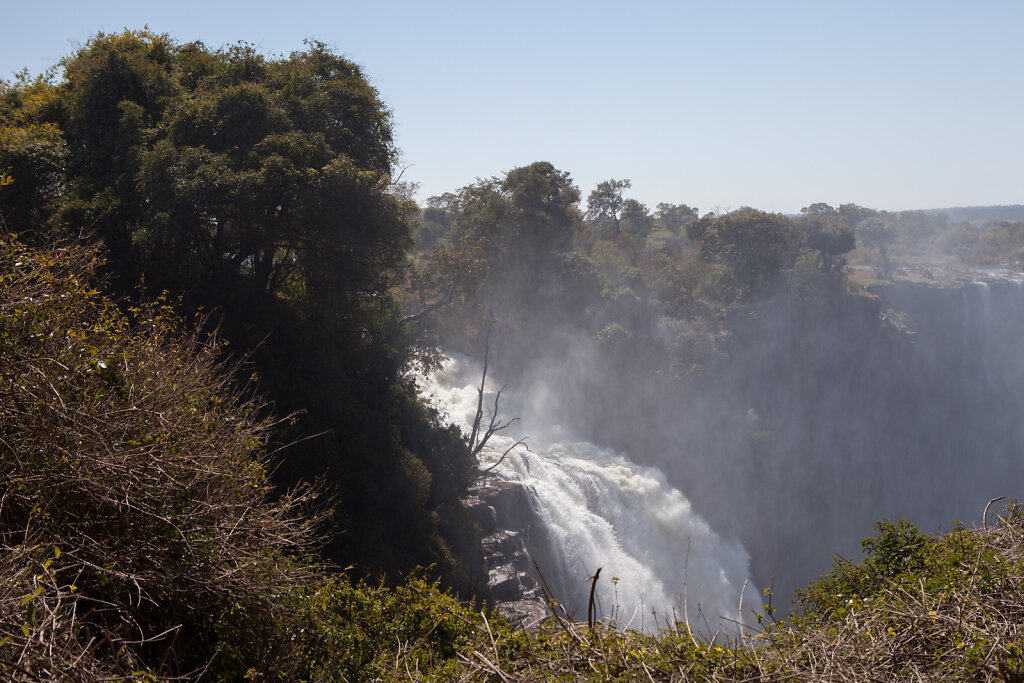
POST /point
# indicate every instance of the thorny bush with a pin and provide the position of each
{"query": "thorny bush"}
(138, 534)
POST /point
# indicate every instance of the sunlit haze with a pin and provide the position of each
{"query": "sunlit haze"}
(717, 105)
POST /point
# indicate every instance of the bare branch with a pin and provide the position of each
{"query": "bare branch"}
(446, 299)
(479, 435)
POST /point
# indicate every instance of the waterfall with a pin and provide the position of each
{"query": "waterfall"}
(599, 509)
(979, 323)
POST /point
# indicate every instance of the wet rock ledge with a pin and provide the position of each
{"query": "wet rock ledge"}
(502, 510)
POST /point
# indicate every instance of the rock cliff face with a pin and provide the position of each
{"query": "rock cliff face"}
(826, 412)
(502, 510)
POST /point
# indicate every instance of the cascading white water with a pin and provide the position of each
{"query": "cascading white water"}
(599, 509)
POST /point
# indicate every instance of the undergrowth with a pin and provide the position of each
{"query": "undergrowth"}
(137, 534)
(916, 608)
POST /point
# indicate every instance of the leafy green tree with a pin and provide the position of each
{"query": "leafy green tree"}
(819, 209)
(262, 189)
(434, 221)
(543, 202)
(674, 217)
(605, 202)
(962, 234)
(522, 220)
(508, 250)
(998, 241)
(876, 234)
(827, 235)
(32, 152)
(852, 214)
(637, 218)
(755, 245)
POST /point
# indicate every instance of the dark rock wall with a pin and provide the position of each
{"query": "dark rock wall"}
(825, 412)
(503, 512)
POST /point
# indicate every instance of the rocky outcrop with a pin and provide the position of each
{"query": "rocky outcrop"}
(527, 613)
(502, 510)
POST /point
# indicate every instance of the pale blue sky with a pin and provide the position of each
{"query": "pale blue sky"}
(716, 104)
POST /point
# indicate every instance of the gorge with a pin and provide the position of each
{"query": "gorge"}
(833, 410)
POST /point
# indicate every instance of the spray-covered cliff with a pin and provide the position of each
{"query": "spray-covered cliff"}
(791, 406)
(592, 510)
(822, 412)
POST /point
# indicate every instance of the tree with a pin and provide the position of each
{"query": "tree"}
(674, 217)
(508, 249)
(819, 209)
(637, 218)
(523, 219)
(434, 220)
(605, 202)
(134, 459)
(755, 245)
(543, 203)
(825, 234)
(876, 234)
(852, 214)
(32, 152)
(262, 189)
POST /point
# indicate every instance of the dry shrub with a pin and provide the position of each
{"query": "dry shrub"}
(137, 532)
(917, 608)
(138, 541)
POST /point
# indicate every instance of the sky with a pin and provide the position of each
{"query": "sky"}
(719, 104)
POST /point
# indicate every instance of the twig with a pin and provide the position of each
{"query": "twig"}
(739, 613)
(591, 616)
(551, 602)
(984, 515)
(686, 580)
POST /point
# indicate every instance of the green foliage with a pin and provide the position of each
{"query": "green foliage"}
(756, 246)
(636, 219)
(362, 632)
(613, 339)
(827, 235)
(852, 214)
(32, 152)
(508, 246)
(903, 557)
(605, 203)
(934, 608)
(136, 490)
(876, 234)
(528, 214)
(260, 189)
(899, 549)
(991, 244)
(543, 214)
(674, 217)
